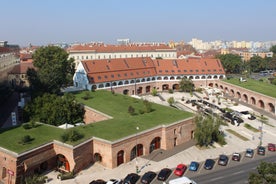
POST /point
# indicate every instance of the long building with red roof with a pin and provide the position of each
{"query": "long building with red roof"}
(142, 75)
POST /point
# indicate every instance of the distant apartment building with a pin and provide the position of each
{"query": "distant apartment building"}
(9, 57)
(245, 54)
(100, 51)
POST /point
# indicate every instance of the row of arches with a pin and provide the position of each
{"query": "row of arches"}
(247, 98)
(152, 79)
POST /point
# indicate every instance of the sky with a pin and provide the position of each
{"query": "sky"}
(41, 22)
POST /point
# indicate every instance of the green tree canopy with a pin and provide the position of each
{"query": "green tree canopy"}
(53, 70)
(54, 110)
(232, 63)
(273, 49)
(266, 174)
(207, 130)
(186, 85)
(256, 64)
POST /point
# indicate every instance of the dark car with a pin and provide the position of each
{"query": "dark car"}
(131, 178)
(209, 164)
(236, 157)
(271, 147)
(251, 117)
(164, 174)
(194, 166)
(261, 150)
(223, 160)
(148, 177)
(99, 181)
(249, 153)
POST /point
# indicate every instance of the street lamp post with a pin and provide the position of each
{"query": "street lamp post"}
(136, 160)
(261, 130)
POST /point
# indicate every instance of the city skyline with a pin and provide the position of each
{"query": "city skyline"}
(44, 22)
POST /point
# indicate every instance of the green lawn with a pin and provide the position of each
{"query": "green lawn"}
(122, 124)
(254, 85)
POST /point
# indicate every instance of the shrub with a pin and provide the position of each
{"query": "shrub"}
(171, 91)
(131, 110)
(26, 126)
(141, 111)
(71, 135)
(25, 139)
(147, 105)
(87, 95)
(66, 176)
(154, 92)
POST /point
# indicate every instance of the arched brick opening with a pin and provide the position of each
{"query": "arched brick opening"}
(136, 150)
(93, 88)
(261, 104)
(221, 87)
(165, 78)
(203, 77)
(226, 90)
(271, 107)
(211, 84)
(216, 85)
(171, 78)
(125, 92)
(245, 98)
(126, 82)
(62, 163)
(232, 92)
(191, 77)
(140, 90)
(120, 83)
(176, 87)
(252, 101)
(238, 94)
(120, 157)
(97, 157)
(147, 89)
(155, 144)
(165, 87)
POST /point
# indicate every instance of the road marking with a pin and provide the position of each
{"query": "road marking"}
(217, 178)
(237, 172)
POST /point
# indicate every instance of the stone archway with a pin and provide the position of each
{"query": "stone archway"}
(271, 107)
(97, 157)
(245, 98)
(136, 151)
(261, 104)
(62, 163)
(238, 95)
(253, 101)
(147, 89)
(155, 144)
(125, 92)
(165, 87)
(232, 92)
(120, 157)
(176, 87)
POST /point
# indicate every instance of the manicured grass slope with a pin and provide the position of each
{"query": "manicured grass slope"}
(121, 125)
(254, 85)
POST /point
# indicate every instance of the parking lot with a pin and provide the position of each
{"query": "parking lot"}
(186, 155)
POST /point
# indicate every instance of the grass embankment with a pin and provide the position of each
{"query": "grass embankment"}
(255, 85)
(123, 124)
(249, 127)
(237, 134)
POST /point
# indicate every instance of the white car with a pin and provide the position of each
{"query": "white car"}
(114, 181)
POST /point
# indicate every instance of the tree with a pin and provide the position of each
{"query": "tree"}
(53, 70)
(186, 85)
(231, 63)
(257, 64)
(171, 101)
(273, 49)
(266, 174)
(54, 110)
(207, 130)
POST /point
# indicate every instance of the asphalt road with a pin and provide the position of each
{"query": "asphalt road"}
(235, 172)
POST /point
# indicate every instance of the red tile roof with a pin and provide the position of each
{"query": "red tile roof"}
(101, 48)
(191, 66)
(99, 71)
(118, 69)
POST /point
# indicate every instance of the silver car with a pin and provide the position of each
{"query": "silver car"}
(249, 153)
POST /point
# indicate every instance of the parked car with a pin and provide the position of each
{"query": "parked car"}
(271, 147)
(249, 153)
(209, 164)
(180, 169)
(251, 117)
(223, 160)
(164, 174)
(261, 150)
(194, 166)
(114, 181)
(98, 181)
(148, 177)
(131, 178)
(236, 157)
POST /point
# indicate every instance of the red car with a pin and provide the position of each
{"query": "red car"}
(271, 147)
(180, 169)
